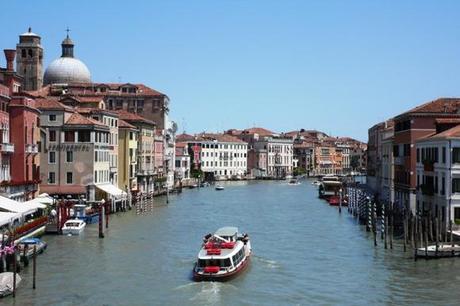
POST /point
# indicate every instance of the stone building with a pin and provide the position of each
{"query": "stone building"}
(127, 156)
(29, 60)
(147, 171)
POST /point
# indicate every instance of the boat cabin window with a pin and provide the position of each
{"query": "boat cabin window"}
(238, 257)
(214, 262)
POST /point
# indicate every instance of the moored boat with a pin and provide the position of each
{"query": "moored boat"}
(442, 250)
(223, 255)
(6, 283)
(219, 187)
(73, 227)
(27, 245)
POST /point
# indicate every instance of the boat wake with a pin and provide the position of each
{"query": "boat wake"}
(272, 264)
(210, 293)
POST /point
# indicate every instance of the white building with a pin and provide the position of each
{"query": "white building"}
(182, 162)
(223, 156)
(279, 155)
(438, 175)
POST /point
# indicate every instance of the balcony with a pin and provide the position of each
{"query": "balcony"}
(113, 169)
(31, 149)
(7, 148)
(144, 172)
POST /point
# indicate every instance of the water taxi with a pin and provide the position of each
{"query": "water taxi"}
(329, 186)
(223, 255)
(442, 250)
(73, 227)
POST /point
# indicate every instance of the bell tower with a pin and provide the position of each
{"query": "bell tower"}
(29, 60)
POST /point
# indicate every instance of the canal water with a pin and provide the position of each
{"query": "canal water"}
(305, 253)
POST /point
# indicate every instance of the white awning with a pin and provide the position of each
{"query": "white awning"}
(35, 203)
(44, 198)
(112, 190)
(8, 217)
(18, 207)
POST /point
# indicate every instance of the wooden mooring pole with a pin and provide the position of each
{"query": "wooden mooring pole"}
(34, 268)
(14, 269)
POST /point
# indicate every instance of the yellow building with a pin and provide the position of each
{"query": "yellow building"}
(127, 156)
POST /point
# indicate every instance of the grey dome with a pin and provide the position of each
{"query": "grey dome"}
(67, 70)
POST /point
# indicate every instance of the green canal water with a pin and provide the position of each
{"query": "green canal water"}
(305, 253)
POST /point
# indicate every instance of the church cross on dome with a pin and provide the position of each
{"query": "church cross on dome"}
(67, 30)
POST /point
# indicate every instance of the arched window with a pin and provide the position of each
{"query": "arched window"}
(23, 52)
(31, 52)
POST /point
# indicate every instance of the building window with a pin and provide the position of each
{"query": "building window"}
(69, 136)
(52, 117)
(51, 177)
(69, 157)
(84, 136)
(52, 157)
(456, 155)
(443, 185)
(52, 136)
(418, 155)
(95, 176)
(455, 185)
(69, 178)
(443, 155)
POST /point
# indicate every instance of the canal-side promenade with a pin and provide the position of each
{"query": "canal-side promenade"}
(305, 253)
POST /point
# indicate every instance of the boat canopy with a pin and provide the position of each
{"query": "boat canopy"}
(8, 217)
(112, 190)
(228, 231)
(24, 208)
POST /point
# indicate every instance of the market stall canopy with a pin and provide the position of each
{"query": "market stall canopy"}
(8, 217)
(19, 207)
(112, 190)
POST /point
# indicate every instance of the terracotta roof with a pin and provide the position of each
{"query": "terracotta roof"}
(62, 189)
(258, 130)
(218, 137)
(450, 133)
(95, 110)
(131, 117)
(89, 99)
(77, 119)
(125, 125)
(42, 92)
(50, 104)
(181, 144)
(185, 137)
(441, 105)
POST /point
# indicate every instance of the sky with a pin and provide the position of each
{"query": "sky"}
(336, 66)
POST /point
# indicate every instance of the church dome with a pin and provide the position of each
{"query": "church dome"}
(67, 69)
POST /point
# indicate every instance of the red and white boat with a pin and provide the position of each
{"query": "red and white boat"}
(335, 201)
(223, 255)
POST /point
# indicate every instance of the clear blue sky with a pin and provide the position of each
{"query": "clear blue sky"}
(336, 66)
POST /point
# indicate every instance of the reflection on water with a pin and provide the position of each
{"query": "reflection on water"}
(305, 253)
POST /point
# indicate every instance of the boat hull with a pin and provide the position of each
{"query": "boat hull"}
(199, 277)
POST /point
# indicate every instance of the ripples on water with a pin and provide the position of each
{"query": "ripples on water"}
(305, 253)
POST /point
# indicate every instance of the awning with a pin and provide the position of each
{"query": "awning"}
(8, 217)
(63, 189)
(112, 190)
(17, 207)
(35, 203)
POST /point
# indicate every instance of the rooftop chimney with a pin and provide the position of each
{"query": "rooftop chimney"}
(10, 54)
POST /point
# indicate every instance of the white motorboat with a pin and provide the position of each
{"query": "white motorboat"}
(26, 246)
(442, 250)
(223, 255)
(6, 283)
(294, 182)
(219, 187)
(73, 227)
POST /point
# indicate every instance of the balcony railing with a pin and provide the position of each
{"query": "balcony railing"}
(428, 165)
(399, 161)
(113, 169)
(7, 148)
(31, 148)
